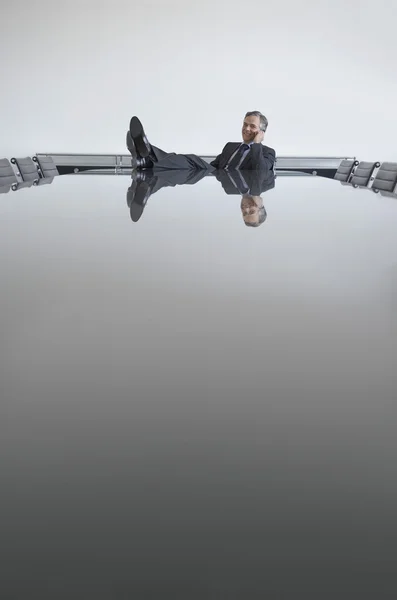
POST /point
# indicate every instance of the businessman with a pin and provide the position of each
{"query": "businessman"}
(249, 154)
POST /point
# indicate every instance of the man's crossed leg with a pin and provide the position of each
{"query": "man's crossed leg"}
(151, 157)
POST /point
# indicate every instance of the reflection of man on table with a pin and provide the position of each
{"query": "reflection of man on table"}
(248, 184)
(253, 210)
(250, 154)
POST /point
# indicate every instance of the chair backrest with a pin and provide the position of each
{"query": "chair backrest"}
(7, 175)
(345, 169)
(45, 180)
(24, 184)
(26, 168)
(47, 166)
(362, 174)
(386, 177)
(388, 194)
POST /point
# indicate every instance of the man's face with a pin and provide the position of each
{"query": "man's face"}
(251, 127)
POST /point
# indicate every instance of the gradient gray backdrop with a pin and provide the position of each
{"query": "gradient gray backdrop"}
(74, 72)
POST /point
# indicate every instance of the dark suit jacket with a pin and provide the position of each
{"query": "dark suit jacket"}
(259, 157)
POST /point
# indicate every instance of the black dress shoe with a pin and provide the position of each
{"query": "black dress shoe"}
(139, 138)
(136, 161)
(131, 147)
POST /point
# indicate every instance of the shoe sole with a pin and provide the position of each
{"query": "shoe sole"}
(138, 135)
(142, 193)
(139, 200)
(130, 145)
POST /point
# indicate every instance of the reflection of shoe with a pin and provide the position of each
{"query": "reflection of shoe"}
(138, 198)
(144, 175)
(139, 138)
(136, 212)
(131, 192)
(142, 192)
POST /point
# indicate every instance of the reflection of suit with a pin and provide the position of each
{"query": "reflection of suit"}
(248, 182)
(173, 177)
(259, 157)
(140, 191)
(233, 182)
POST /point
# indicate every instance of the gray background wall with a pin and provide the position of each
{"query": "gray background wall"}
(74, 72)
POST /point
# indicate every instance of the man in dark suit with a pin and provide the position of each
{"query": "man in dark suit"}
(250, 154)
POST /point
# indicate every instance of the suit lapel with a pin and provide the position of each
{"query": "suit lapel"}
(229, 150)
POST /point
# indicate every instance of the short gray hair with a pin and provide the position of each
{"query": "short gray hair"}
(263, 122)
(262, 214)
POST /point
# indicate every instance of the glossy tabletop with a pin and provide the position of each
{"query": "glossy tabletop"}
(194, 408)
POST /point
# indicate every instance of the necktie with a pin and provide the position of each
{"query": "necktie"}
(238, 181)
(237, 157)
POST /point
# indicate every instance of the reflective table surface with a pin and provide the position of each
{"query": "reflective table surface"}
(193, 408)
